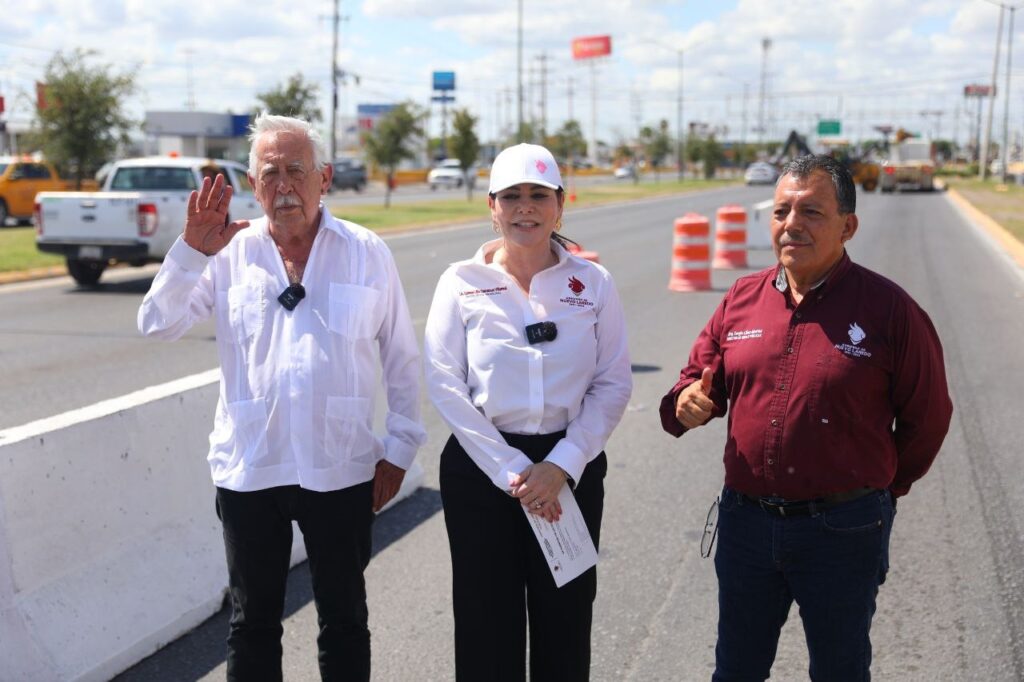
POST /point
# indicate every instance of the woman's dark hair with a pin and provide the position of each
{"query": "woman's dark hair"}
(556, 236)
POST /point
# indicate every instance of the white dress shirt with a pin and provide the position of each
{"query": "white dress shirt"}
(484, 377)
(297, 387)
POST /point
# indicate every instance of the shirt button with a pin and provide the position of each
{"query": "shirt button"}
(798, 316)
(782, 387)
(775, 422)
(790, 350)
(771, 461)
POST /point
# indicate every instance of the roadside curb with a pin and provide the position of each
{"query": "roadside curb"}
(32, 274)
(1010, 244)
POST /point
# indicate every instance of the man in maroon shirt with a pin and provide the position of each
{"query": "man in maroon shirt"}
(836, 395)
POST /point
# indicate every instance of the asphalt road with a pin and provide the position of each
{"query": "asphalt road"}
(952, 608)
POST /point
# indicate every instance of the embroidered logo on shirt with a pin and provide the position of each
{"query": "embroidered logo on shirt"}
(576, 286)
(483, 292)
(856, 334)
(744, 334)
(854, 350)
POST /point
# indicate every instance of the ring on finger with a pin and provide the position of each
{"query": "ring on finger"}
(538, 504)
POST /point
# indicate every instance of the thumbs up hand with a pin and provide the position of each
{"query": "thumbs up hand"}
(694, 404)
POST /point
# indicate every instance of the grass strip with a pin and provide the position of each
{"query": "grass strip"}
(1002, 203)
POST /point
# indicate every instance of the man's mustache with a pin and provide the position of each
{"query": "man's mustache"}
(283, 200)
(786, 240)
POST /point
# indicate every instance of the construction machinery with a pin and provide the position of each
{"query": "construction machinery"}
(865, 171)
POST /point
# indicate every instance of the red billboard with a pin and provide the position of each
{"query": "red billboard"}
(591, 46)
(976, 90)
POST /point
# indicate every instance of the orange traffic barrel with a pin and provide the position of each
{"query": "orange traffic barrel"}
(691, 254)
(730, 238)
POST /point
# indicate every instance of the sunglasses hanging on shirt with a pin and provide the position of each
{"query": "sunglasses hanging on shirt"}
(291, 296)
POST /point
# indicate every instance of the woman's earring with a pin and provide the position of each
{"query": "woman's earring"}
(558, 224)
(494, 226)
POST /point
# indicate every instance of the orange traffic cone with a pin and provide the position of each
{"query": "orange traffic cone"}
(690, 254)
(730, 237)
(577, 250)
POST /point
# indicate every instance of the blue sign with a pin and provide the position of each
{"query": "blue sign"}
(444, 80)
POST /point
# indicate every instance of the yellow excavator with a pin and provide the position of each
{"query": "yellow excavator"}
(865, 172)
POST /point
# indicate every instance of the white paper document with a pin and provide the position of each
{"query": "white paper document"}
(566, 544)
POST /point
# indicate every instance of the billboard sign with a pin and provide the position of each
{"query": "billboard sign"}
(369, 114)
(976, 90)
(591, 46)
(444, 80)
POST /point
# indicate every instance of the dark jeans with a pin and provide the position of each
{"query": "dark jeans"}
(258, 538)
(830, 563)
(500, 577)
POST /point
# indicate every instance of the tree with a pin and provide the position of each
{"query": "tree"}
(713, 156)
(568, 141)
(391, 141)
(464, 145)
(81, 121)
(296, 98)
(657, 145)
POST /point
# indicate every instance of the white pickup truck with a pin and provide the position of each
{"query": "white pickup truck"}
(136, 216)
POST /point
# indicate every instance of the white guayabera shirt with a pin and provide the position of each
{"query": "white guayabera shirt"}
(297, 387)
(484, 377)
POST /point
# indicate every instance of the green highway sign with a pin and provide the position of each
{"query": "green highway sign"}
(829, 127)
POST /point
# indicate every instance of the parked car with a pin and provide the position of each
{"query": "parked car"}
(349, 174)
(761, 173)
(449, 173)
(625, 172)
(21, 178)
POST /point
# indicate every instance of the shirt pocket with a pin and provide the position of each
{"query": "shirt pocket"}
(347, 433)
(353, 311)
(246, 431)
(245, 309)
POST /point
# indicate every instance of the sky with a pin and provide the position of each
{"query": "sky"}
(866, 63)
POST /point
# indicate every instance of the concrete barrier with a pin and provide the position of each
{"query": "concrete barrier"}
(109, 544)
(759, 230)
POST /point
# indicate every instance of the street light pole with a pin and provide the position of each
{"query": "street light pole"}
(680, 147)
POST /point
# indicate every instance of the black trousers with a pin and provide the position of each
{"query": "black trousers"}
(501, 579)
(258, 538)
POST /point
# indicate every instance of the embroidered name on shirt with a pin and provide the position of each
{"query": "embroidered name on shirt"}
(577, 302)
(744, 335)
(483, 292)
(853, 351)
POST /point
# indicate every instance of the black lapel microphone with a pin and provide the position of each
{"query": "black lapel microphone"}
(291, 296)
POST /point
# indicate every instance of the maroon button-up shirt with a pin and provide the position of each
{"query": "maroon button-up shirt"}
(845, 390)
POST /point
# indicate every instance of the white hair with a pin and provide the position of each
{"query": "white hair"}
(270, 123)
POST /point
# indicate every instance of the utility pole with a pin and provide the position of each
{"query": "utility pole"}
(519, 70)
(190, 104)
(334, 86)
(1006, 97)
(543, 59)
(983, 158)
(766, 44)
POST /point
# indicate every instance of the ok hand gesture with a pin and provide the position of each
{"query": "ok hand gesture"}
(207, 229)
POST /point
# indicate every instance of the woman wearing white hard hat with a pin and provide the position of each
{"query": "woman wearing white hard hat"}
(526, 360)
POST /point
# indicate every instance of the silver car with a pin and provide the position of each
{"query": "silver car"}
(449, 173)
(761, 173)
